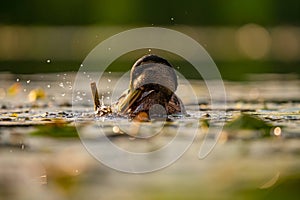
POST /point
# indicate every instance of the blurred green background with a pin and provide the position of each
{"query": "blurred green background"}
(249, 36)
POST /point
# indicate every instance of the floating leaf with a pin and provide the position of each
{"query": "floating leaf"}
(56, 131)
(248, 122)
(14, 89)
(13, 115)
(36, 94)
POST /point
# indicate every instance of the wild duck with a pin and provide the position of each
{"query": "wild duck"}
(151, 91)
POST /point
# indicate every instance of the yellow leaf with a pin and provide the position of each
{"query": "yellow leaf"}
(13, 115)
(36, 94)
(14, 89)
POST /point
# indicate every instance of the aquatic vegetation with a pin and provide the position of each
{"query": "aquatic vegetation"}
(258, 157)
(14, 89)
(56, 130)
(248, 122)
(36, 94)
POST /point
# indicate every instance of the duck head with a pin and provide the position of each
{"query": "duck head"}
(153, 81)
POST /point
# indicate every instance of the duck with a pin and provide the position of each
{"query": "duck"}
(151, 91)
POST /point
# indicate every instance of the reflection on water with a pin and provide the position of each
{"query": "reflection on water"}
(244, 166)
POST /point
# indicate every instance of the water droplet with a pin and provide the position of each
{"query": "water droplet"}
(84, 72)
(28, 81)
(108, 98)
(79, 98)
(48, 86)
(109, 72)
(48, 61)
(109, 49)
(81, 65)
(61, 84)
(18, 80)
(83, 93)
(172, 18)
(63, 94)
(108, 92)
(149, 50)
(24, 90)
(70, 87)
(109, 80)
(65, 74)
(78, 92)
(57, 75)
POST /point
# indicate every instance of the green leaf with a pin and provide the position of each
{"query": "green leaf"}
(248, 122)
(56, 131)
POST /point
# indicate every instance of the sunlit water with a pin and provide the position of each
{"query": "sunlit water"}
(234, 166)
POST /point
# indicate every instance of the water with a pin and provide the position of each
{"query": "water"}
(244, 165)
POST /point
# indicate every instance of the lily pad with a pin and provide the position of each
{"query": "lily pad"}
(249, 122)
(56, 131)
